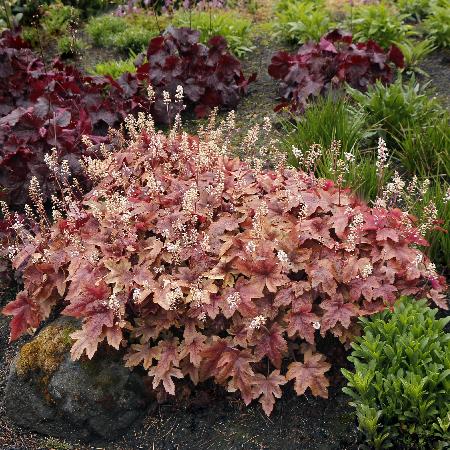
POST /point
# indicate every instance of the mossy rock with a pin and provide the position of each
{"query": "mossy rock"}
(51, 394)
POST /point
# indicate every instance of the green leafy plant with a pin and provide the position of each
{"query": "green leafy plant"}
(231, 25)
(437, 25)
(114, 67)
(379, 22)
(414, 9)
(303, 21)
(124, 33)
(400, 386)
(414, 52)
(57, 18)
(398, 106)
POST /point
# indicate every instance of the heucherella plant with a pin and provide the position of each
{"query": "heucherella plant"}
(199, 265)
(400, 386)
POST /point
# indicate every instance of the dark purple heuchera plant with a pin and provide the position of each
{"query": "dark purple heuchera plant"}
(209, 75)
(53, 107)
(335, 60)
(198, 265)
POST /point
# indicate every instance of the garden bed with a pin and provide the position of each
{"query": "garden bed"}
(212, 414)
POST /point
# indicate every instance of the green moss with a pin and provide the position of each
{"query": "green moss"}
(45, 352)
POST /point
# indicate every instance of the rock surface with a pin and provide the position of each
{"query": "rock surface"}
(49, 393)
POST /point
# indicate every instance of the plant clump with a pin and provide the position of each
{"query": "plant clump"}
(401, 382)
(335, 60)
(204, 266)
(53, 107)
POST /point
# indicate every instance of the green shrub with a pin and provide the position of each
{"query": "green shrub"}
(302, 21)
(437, 25)
(124, 33)
(378, 22)
(231, 25)
(400, 386)
(57, 18)
(114, 68)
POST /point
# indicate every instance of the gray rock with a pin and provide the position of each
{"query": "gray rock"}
(71, 399)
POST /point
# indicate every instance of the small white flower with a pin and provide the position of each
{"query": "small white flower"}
(283, 257)
(250, 247)
(257, 322)
(316, 325)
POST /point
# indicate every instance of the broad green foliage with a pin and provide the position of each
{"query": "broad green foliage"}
(125, 33)
(302, 21)
(115, 67)
(401, 382)
(437, 25)
(378, 22)
(231, 25)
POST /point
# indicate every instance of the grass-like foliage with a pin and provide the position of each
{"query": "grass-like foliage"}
(330, 119)
(378, 22)
(124, 33)
(204, 266)
(398, 106)
(415, 124)
(302, 21)
(335, 60)
(401, 382)
(437, 25)
(231, 25)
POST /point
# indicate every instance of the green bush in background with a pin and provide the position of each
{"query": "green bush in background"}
(302, 21)
(231, 25)
(379, 22)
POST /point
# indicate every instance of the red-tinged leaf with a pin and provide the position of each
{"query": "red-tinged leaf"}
(141, 354)
(301, 323)
(323, 274)
(211, 356)
(114, 336)
(25, 314)
(336, 310)
(236, 364)
(396, 56)
(193, 346)
(165, 375)
(387, 233)
(268, 388)
(271, 344)
(310, 374)
(85, 342)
